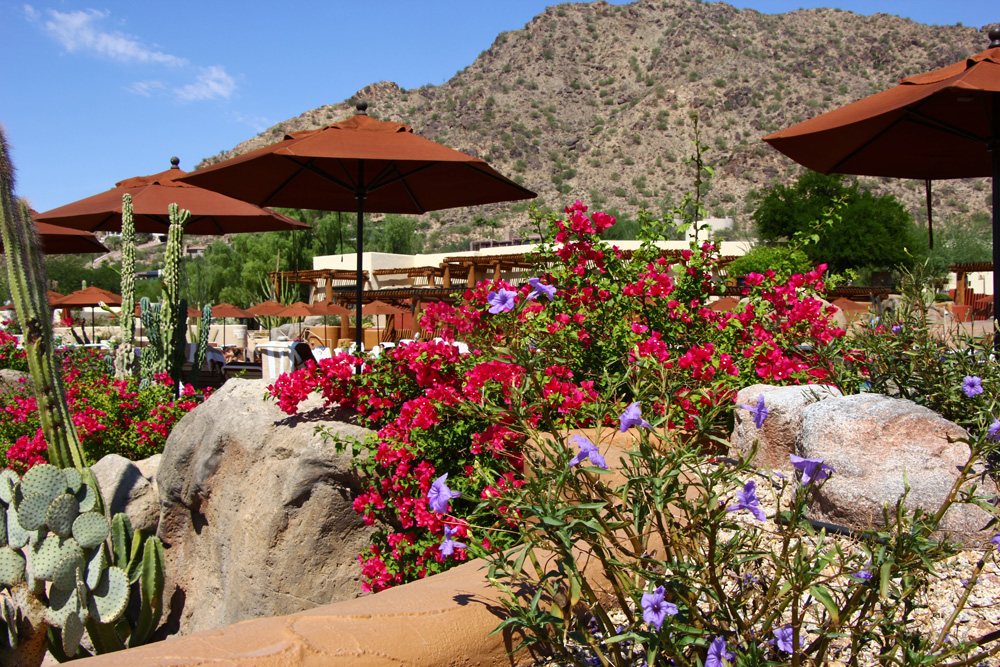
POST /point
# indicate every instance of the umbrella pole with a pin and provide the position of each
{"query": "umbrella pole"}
(359, 287)
(930, 216)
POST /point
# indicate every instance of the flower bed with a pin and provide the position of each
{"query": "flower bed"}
(111, 416)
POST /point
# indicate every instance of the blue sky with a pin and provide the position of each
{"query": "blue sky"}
(95, 93)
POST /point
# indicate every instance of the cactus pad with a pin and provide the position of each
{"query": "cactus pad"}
(62, 603)
(73, 479)
(90, 529)
(3, 524)
(109, 599)
(17, 536)
(8, 480)
(64, 574)
(72, 633)
(97, 562)
(45, 557)
(87, 498)
(31, 512)
(62, 511)
(45, 479)
(11, 567)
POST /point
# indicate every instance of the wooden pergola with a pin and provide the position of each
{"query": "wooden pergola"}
(962, 271)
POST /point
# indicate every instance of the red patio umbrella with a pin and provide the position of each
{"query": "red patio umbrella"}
(211, 212)
(89, 296)
(266, 309)
(360, 164)
(941, 124)
(332, 308)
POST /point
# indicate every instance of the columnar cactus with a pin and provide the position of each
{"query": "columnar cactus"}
(28, 283)
(125, 357)
(202, 350)
(172, 317)
(152, 360)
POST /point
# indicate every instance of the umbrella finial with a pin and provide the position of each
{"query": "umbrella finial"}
(175, 162)
(362, 107)
(994, 34)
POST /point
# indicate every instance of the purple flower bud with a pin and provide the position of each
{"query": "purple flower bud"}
(996, 540)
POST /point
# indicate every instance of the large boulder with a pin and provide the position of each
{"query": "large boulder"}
(878, 444)
(777, 437)
(256, 511)
(128, 487)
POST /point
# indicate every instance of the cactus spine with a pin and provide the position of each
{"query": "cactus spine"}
(125, 357)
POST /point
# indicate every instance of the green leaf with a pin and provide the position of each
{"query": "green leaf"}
(885, 579)
(824, 596)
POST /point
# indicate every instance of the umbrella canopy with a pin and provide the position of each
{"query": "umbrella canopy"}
(360, 164)
(941, 124)
(381, 308)
(266, 309)
(91, 296)
(58, 240)
(297, 309)
(211, 212)
(329, 308)
(50, 297)
(228, 310)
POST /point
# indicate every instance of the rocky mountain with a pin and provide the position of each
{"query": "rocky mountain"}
(593, 102)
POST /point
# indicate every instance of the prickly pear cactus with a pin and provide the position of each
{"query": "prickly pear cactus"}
(53, 535)
(124, 356)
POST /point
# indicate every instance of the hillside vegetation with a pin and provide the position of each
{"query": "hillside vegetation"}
(592, 101)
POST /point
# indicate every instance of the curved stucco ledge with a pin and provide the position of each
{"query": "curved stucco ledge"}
(440, 621)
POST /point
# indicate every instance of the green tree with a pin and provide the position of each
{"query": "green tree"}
(874, 231)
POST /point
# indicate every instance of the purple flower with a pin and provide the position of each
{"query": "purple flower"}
(633, 417)
(655, 608)
(996, 540)
(812, 469)
(784, 638)
(759, 411)
(501, 301)
(895, 329)
(588, 450)
(993, 432)
(440, 495)
(864, 574)
(747, 500)
(538, 289)
(718, 656)
(972, 385)
(448, 546)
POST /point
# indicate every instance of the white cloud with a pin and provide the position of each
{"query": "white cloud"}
(146, 88)
(258, 123)
(80, 32)
(212, 83)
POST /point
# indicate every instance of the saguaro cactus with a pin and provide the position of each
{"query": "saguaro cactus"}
(124, 356)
